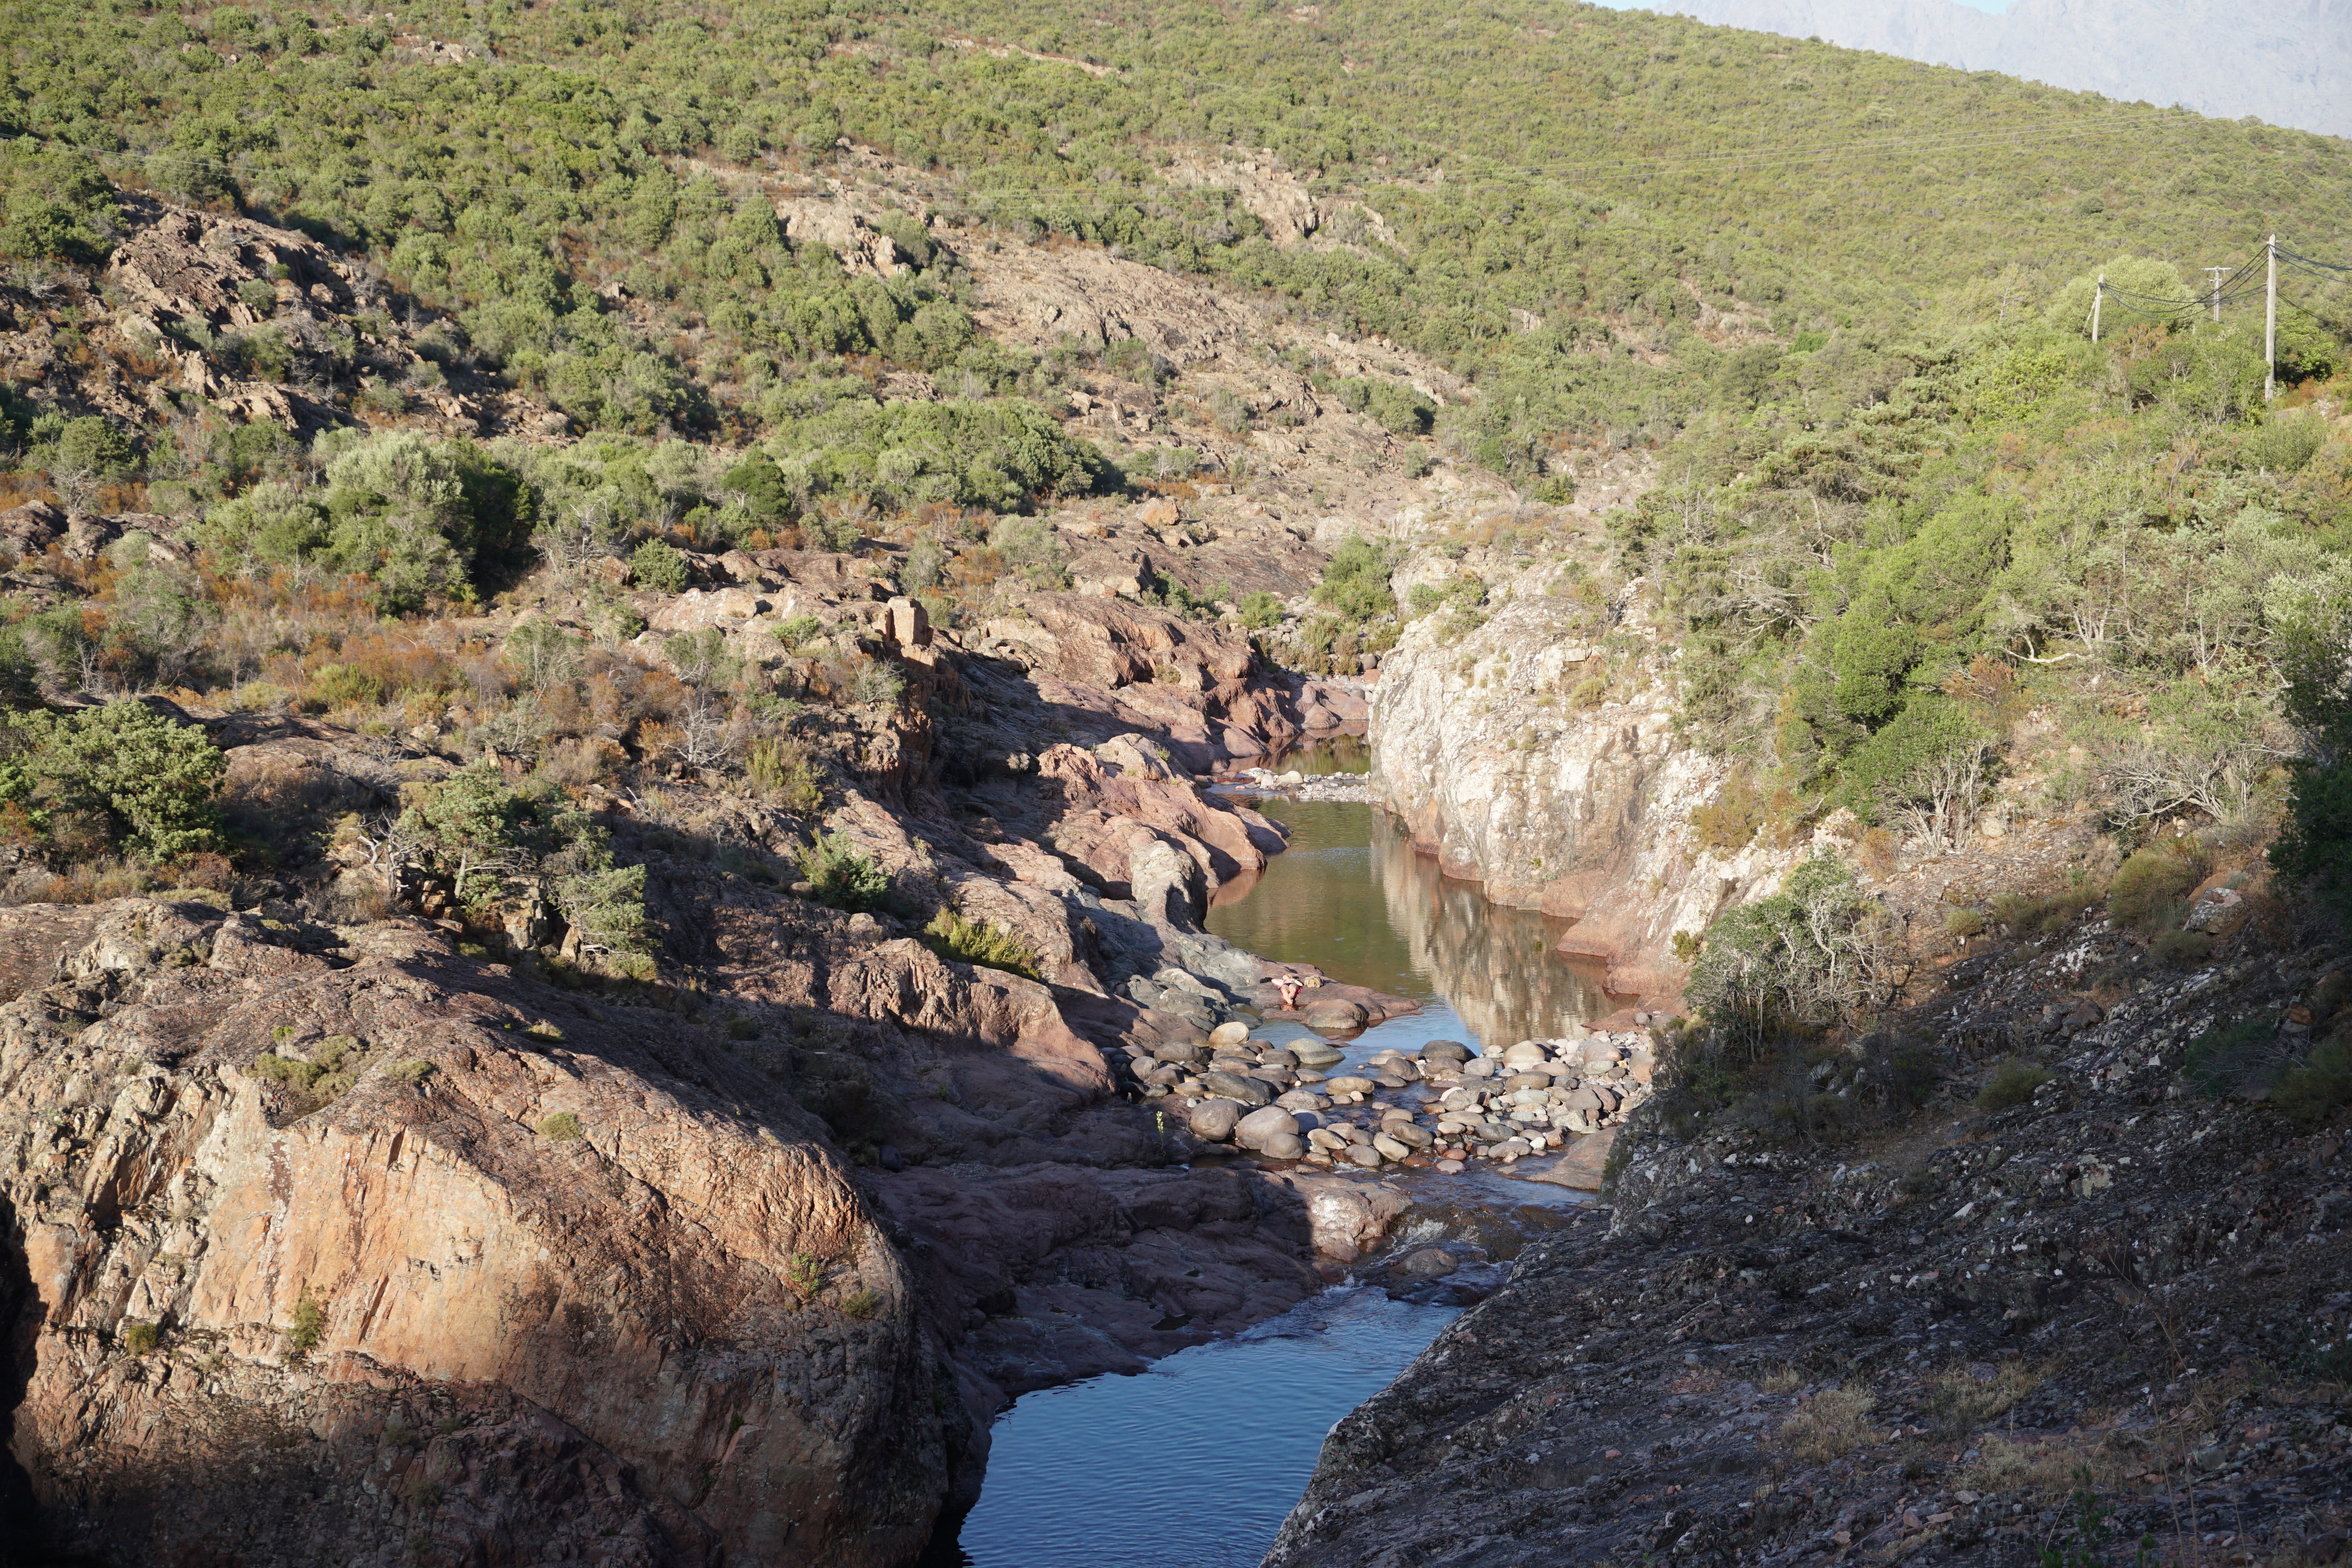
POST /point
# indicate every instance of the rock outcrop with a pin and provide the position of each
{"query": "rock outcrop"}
(1539, 754)
(1986, 1331)
(345, 1216)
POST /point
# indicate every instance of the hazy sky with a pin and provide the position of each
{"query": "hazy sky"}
(1996, 7)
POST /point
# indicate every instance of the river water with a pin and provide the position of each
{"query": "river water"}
(1194, 1462)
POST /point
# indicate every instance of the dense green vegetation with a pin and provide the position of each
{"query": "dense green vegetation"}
(1840, 297)
(1612, 177)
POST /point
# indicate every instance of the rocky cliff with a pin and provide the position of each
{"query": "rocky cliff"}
(1538, 753)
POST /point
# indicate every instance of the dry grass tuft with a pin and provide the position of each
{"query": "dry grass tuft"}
(1830, 1425)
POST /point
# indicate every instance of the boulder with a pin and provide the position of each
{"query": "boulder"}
(1330, 1014)
(1285, 1146)
(1315, 1053)
(1364, 1154)
(1234, 1086)
(1349, 1085)
(1429, 1263)
(1214, 1120)
(1253, 1131)
(1388, 1147)
(1229, 1034)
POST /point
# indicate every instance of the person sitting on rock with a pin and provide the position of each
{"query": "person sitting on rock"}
(1288, 986)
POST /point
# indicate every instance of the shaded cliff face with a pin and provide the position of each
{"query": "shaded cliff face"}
(1537, 753)
(510, 1278)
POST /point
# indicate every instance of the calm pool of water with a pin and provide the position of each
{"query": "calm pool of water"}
(1196, 1462)
(1350, 896)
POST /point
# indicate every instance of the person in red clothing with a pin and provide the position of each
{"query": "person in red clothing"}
(1288, 986)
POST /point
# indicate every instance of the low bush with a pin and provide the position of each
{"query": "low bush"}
(2030, 915)
(562, 1127)
(861, 1305)
(840, 875)
(139, 1339)
(781, 768)
(2233, 1058)
(1728, 822)
(2181, 949)
(2319, 1085)
(950, 935)
(795, 630)
(1964, 922)
(658, 566)
(2148, 891)
(309, 1324)
(1261, 612)
(2013, 1084)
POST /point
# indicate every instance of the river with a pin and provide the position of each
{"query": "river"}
(1194, 1462)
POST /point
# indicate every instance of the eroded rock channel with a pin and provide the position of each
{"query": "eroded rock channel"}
(1431, 1137)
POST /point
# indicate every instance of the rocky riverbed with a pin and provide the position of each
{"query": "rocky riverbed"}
(1438, 1106)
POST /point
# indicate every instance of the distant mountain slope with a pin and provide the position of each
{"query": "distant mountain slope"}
(2285, 61)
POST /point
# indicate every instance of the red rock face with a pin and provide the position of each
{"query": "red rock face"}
(465, 1318)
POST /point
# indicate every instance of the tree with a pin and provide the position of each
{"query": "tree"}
(474, 825)
(1927, 766)
(155, 781)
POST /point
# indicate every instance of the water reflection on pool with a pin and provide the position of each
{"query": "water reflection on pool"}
(1196, 1462)
(1350, 896)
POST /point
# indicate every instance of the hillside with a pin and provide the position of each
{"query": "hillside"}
(2284, 64)
(616, 626)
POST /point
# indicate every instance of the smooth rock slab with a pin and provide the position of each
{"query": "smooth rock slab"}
(1350, 1086)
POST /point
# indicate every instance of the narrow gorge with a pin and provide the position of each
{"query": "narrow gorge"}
(866, 786)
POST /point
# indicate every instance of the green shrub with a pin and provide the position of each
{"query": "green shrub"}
(2233, 1058)
(1790, 965)
(950, 935)
(151, 782)
(1356, 579)
(2181, 949)
(2013, 1084)
(655, 565)
(877, 683)
(1261, 612)
(310, 1323)
(140, 1338)
(2027, 914)
(841, 876)
(1964, 922)
(1032, 550)
(2316, 1087)
(2147, 890)
(781, 769)
(793, 631)
(562, 1127)
(861, 1305)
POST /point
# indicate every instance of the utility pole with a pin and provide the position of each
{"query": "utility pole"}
(2269, 324)
(2219, 272)
(2098, 297)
